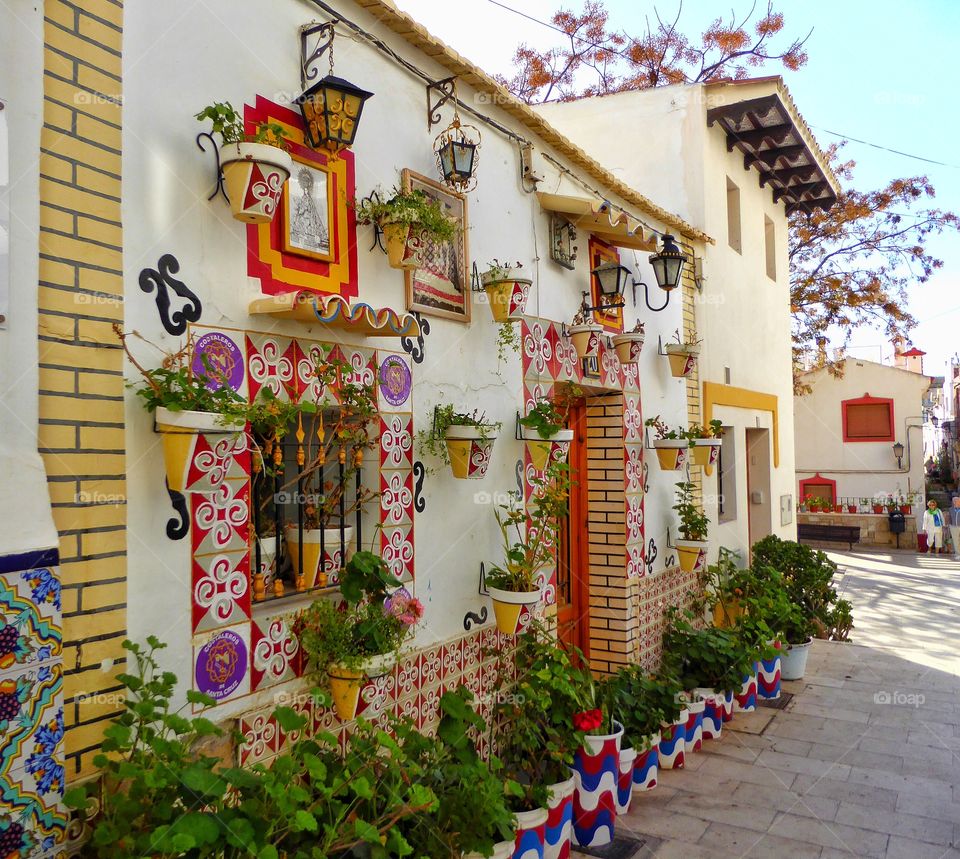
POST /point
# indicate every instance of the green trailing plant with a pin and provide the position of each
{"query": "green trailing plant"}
(471, 813)
(643, 702)
(432, 442)
(694, 523)
(377, 616)
(228, 123)
(165, 796)
(176, 386)
(497, 270)
(539, 690)
(508, 340)
(808, 578)
(714, 429)
(711, 657)
(416, 209)
(529, 534)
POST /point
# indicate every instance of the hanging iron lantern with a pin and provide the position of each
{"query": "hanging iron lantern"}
(456, 150)
(668, 264)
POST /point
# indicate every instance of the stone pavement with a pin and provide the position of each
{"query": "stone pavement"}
(862, 761)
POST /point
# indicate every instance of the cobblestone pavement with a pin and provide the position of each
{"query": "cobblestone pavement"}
(862, 761)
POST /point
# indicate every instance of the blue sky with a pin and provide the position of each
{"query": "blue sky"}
(879, 71)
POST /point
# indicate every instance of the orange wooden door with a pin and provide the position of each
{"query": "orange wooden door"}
(573, 561)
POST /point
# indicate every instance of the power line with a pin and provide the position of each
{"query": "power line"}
(886, 148)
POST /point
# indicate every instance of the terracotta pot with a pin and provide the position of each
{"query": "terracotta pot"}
(254, 175)
(586, 339)
(672, 453)
(692, 555)
(507, 297)
(878, 508)
(838, 508)
(313, 574)
(508, 605)
(705, 451)
(180, 430)
(683, 359)
(547, 450)
(469, 453)
(396, 235)
(628, 346)
(851, 508)
(906, 508)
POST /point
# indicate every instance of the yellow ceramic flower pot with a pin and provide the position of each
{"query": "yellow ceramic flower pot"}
(313, 573)
(507, 606)
(726, 613)
(507, 298)
(396, 236)
(682, 361)
(179, 430)
(345, 686)
(672, 455)
(469, 454)
(705, 451)
(692, 554)
(546, 450)
(253, 176)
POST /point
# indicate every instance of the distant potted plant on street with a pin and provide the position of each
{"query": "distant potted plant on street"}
(462, 440)
(254, 166)
(362, 637)
(506, 288)
(184, 403)
(585, 334)
(683, 354)
(543, 431)
(692, 545)
(529, 535)
(852, 508)
(629, 344)
(705, 442)
(670, 444)
(407, 218)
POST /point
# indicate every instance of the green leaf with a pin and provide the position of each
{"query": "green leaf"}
(305, 821)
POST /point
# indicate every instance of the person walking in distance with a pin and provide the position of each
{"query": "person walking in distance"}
(955, 527)
(933, 525)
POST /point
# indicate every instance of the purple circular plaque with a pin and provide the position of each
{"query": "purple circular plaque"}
(221, 665)
(395, 380)
(215, 355)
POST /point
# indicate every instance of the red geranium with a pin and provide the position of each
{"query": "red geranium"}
(588, 720)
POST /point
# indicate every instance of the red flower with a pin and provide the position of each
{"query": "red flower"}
(587, 721)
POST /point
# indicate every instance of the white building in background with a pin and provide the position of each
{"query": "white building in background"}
(732, 157)
(846, 429)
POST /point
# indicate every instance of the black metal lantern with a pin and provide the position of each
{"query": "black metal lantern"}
(456, 150)
(898, 453)
(331, 111)
(668, 264)
(611, 278)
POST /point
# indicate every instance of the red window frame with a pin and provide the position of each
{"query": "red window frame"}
(867, 400)
(817, 480)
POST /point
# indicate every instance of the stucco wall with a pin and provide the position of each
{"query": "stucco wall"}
(861, 469)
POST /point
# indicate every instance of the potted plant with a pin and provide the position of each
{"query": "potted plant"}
(705, 442)
(333, 451)
(254, 166)
(852, 508)
(682, 355)
(514, 583)
(463, 440)
(543, 431)
(673, 730)
(184, 403)
(361, 637)
(629, 344)
(879, 505)
(406, 219)
(585, 335)
(692, 545)
(670, 444)
(506, 289)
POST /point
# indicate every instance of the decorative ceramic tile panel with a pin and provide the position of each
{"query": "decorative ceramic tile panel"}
(217, 457)
(221, 589)
(221, 519)
(396, 549)
(275, 649)
(221, 663)
(394, 382)
(396, 497)
(396, 441)
(270, 363)
(307, 387)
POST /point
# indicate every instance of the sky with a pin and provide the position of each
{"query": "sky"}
(878, 71)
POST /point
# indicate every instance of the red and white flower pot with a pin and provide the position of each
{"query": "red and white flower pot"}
(586, 339)
(544, 451)
(693, 738)
(508, 606)
(712, 712)
(672, 453)
(672, 742)
(692, 554)
(768, 678)
(628, 761)
(683, 359)
(705, 451)
(469, 450)
(531, 834)
(559, 831)
(728, 701)
(179, 430)
(506, 293)
(645, 767)
(628, 346)
(745, 701)
(596, 769)
(254, 175)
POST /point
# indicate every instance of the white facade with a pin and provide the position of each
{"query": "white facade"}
(659, 139)
(861, 469)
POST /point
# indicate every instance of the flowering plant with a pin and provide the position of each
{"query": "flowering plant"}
(588, 720)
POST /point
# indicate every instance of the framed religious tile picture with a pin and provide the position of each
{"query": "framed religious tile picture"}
(440, 284)
(307, 206)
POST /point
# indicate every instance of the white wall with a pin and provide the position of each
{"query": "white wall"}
(25, 520)
(861, 469)
(658, 141)
(166, 180)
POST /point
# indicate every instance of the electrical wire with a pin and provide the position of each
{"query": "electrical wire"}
(887, 148)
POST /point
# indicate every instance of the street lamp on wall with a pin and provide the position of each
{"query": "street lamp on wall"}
(667, 269)
(898, 453)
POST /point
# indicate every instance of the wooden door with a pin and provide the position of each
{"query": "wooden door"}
(573, 560)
